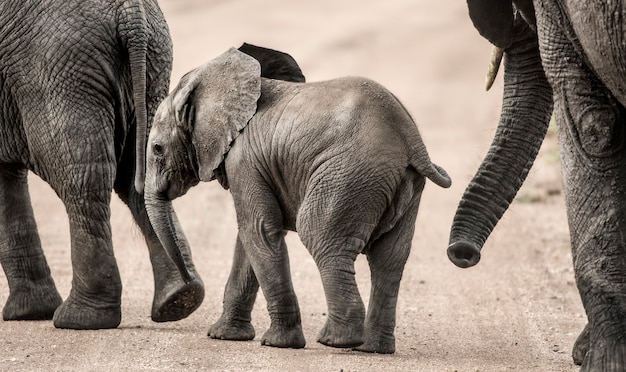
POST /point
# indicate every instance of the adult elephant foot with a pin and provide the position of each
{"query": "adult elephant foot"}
(177, 300)
(227, 328)
(34, 301)
(378, 343)
(341, 334)
(84, 314)
(581, 346)
(606, 354)
(280, 336)
(173, 298)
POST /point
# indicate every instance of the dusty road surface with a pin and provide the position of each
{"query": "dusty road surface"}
(517, 310)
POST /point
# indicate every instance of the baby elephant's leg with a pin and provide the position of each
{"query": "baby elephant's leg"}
(387, 256)
(335, 236)
(239, 296)
(262, 236)
(346, 313)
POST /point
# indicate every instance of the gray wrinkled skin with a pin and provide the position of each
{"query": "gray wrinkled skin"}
(341, 162)
(78, 81)
(566, 54)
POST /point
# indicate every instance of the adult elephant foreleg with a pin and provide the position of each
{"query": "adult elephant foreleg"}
(591, 135)
(594, 180)
(33, 294)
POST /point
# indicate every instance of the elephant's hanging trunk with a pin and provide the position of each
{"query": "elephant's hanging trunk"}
(526, 110)
(161, 215)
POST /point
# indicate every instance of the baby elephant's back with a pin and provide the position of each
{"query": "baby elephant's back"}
(349, 119)
(367, 120)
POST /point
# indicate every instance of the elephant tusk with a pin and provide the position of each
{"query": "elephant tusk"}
(494, 66)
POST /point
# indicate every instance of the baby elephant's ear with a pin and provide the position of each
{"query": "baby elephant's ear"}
(274, 64)
(220, 100)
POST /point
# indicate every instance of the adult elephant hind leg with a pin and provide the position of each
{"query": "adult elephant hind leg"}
(173, 298)
(239, 296)
(80, 166)
(94, 300)
(33, 295)
(386, 256)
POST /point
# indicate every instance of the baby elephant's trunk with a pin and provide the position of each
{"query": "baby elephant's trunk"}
(162, 218)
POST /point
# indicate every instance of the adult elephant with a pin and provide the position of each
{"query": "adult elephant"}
(79, 82)
(569, 53)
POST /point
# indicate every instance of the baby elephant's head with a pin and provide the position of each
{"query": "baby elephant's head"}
(196, 124)
(172, 164)
(194, 128)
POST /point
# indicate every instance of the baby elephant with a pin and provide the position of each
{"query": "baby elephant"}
(341, 162)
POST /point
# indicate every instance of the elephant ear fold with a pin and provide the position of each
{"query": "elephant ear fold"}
(223, 96)
(274, 64)
(182, 102)
(494, 20)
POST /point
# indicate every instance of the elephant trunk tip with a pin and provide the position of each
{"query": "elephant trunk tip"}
(463, 254)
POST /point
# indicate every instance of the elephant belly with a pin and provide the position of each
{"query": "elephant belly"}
(599, 27)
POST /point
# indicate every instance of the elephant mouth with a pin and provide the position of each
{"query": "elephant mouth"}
(168, 190)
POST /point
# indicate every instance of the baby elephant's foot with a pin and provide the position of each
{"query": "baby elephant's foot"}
(339, 334)
(177, 301)
(75, 314)
(291, 337)
(230, 329)
(32, 303)
(378, 343)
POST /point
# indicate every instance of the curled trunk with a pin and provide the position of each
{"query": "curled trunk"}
(525, 116)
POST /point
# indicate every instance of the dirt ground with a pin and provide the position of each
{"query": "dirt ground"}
(517, 310)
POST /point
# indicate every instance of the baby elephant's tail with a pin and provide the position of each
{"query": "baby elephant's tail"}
(435, 173)
(420, 160)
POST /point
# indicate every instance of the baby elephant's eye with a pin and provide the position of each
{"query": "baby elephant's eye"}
(157, 149)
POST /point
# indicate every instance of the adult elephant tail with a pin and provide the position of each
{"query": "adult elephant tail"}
(132, 29)
(526, 110)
